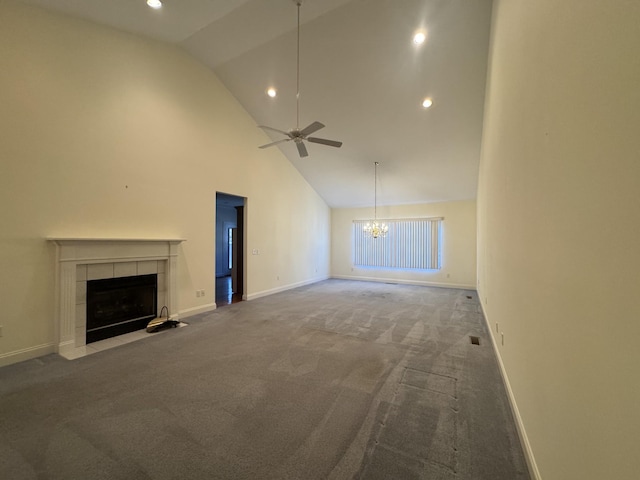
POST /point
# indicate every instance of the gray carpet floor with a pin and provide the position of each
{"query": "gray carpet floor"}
(335, 380)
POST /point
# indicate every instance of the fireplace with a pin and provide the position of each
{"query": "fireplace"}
(81, 261)
(116, 306)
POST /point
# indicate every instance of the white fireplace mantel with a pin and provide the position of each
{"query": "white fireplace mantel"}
(82, 259)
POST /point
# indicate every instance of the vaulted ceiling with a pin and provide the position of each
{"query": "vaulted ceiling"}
(361, 75)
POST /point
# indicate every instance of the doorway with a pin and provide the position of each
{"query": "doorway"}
(229, 248)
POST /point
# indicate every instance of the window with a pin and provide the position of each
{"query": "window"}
(410, 244)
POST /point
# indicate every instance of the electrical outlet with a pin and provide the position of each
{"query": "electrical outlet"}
(202, 293)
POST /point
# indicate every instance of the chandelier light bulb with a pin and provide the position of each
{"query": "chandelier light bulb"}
(419, 38)
(154, 4)
(427, 102)
(272, 92)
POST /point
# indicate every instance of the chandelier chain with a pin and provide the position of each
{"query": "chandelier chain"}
(375, 191)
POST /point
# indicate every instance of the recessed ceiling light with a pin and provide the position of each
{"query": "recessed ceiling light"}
(419, 38)
(154, 4)
(272, 92)
(427, 102)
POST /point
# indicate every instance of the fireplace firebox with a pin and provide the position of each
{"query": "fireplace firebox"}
(116, 306)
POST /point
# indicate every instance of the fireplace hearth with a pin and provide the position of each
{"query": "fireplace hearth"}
(83, 260)
(116, 306)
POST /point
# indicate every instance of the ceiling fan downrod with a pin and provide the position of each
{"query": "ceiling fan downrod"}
(299, 4)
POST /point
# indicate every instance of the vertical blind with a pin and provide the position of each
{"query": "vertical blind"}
(410, 243)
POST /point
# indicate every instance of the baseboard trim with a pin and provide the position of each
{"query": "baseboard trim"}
(26, 354)
(522, 433)
(271, 291)
(189, 312)
(422, 283)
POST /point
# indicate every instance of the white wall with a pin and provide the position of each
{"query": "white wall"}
(105, 134)
(458, 244)
(559, 228)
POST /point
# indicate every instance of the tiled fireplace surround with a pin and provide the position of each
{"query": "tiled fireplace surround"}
(82, 259)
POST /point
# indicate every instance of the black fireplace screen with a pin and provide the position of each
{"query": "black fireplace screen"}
(120, 305)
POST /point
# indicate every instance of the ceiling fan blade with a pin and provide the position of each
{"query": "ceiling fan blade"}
(275, 143)
(314, 127)
(302, 150)
(324, 141)
(274, 129)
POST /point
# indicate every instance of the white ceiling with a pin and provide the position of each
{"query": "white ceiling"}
(360, 75)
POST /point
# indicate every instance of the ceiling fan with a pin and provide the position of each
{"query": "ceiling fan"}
(296, 134)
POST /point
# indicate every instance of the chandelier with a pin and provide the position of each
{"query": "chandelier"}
(375, 229)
